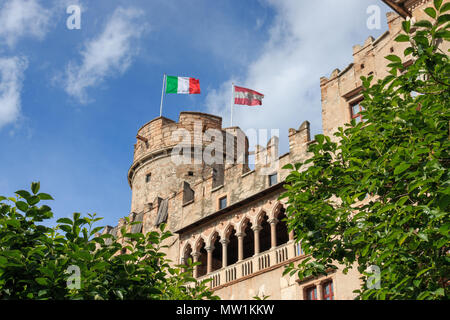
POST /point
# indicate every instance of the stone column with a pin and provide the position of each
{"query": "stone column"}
(224, 243)
(182, 261)
(319, 291)
(273, 232)
(209, 250)
(240, 237)
(196, 255)
(256, 230)
(291, 235)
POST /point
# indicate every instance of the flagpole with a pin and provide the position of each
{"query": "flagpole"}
(162, 95)
(232, 102)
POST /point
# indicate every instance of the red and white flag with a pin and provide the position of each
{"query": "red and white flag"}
(247, 97)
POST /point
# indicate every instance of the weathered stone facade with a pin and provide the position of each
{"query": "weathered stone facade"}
(228, 216)
(342, 89)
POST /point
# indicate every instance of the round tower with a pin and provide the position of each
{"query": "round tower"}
(155, 173)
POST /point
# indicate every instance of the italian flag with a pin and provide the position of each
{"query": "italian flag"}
(182, 85)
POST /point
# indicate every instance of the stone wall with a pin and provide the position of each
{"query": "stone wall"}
(343, 88)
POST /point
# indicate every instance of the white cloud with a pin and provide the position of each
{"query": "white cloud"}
(11, 78)
(307, 40)
(110, 54)
(20, 18)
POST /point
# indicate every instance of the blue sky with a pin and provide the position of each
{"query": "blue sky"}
(71, 101)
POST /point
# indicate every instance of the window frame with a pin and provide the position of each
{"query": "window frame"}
(312, 289)
(328, 284)
(357, 115)
(220, 202)
(276, 179)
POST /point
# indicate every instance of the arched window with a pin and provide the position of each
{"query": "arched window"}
(203, 258)
(249, 240)
(187, 254)
(264, 235)
(233, 247)
(217, 252)
(282, 230)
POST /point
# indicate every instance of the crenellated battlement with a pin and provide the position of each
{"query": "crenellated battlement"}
(157, 134)
(192, 190)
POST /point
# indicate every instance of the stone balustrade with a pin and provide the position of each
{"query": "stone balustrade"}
(271, 258)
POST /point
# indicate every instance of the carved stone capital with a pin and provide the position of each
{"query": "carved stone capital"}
(257, 228)
(241, 234)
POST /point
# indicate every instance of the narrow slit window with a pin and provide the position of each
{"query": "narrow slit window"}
(273, 179)
(222, 203)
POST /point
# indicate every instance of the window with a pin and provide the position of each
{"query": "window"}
(356, 109)
(311, 293)
(222, 203)
(188, 193)
(217, 176)
(148, 177)
(273, 179)
(327, 288)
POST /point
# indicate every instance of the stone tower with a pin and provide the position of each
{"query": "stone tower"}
(156, 175)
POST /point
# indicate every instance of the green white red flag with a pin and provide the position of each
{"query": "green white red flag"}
(182, 85)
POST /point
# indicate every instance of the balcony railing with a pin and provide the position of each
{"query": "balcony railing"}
(249, 266)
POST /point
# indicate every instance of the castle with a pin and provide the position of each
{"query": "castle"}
(227, 215)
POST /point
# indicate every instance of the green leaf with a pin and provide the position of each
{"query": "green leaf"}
(22, 206)
(443, 19)
(119, 294)
(406, 25)
(408, 51)
(423, 24)
(423, 236)
(24, 194)
(42, 281)
(400, 242)
(445, 7)
(394, 58)
(35, 186)
(443, 34)
(440, 292)
(402, 38)
(437, 4)
(65, 221)
(33, 200)
(14, 223)
(45, 196)
(431, 12)
(401, 168)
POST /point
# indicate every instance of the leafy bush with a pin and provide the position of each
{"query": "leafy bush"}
(380, 196)
(39, 262)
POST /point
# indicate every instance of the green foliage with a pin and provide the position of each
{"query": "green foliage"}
(380, 197)
(36, 261)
